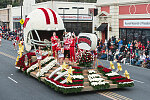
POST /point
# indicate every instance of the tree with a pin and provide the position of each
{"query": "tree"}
(4, 3)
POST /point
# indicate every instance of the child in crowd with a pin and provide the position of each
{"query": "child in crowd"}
(14, 44)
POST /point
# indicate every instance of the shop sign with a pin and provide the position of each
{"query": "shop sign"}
(16, 19)
(74, 17)
(137, 23)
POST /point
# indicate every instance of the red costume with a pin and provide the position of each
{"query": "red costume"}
(95, 53)
(17, 38)
(67, 48)
(22, 42)
(54, 44)
(72, 50)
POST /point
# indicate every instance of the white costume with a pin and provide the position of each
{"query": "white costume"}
(60, 54)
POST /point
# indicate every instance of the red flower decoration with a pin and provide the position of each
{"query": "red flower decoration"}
(100, 66)
(77, 80)
(76, 67)
(118, 77)
(106, 70)
(76, 72)
(127, 80)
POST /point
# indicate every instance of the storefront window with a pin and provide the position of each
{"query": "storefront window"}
(84, 27)
(16, 25)
(142, 35)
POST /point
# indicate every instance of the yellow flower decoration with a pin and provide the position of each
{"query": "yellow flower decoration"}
(70, 70)
(127, 74)
(112, 65)
(69, 79)
(119, 67)
(64, 66)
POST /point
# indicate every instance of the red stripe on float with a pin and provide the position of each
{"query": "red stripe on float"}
(54, 15)
(25, 22)
(46, 15)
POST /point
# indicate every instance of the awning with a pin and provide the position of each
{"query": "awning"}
(102, 27)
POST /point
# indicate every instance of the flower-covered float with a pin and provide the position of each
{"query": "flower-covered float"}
(68, 78)
(65, 78)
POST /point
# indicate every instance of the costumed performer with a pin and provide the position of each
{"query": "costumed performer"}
(39, 57)
(67, 48)
(54, 43)
(72, 49)
(60, 50)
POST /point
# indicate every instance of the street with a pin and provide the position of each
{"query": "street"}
(15, 85)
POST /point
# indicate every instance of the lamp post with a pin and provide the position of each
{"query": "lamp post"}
(78, 8)
(64, 12)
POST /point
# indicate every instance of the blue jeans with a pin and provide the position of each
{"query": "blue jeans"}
(139, 62)
(133, 61)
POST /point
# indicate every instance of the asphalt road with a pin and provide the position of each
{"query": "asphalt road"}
(14, 85)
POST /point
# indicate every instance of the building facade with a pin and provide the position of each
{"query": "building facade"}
(74, 21)
(126, 19)
(5, 16)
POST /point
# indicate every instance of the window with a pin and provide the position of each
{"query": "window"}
(85, 27)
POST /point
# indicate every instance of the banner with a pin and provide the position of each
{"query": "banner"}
(137, 23)
(74, 17)
(16, 18)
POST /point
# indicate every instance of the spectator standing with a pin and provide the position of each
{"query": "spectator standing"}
(110, 55)
(131, 48)
(133, 60)
(17, 39)
(122, 48)
(109, 44)
(114, 39)
(116, 56)
(134, 47)
(116, 44)
(136, 52)
(143, 47)
(124, 42)
(128, 57)
(14, 44)
(0, 40)
(120, 43)
(129, 45)
(148, 48)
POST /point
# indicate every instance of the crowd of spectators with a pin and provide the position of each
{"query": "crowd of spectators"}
(10, 35)
(132, 52)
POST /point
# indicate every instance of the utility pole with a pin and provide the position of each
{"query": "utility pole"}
(21, 4)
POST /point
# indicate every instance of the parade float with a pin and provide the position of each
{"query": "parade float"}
(69, 77)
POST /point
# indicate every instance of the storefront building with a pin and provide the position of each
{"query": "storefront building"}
(126, 19)
(81, 24)
(16, 22)
(5, 17)
(74, 21)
